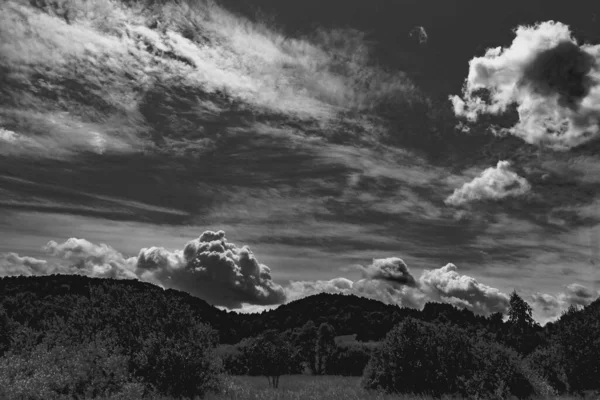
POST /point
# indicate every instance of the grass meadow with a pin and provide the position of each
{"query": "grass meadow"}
(304, 387)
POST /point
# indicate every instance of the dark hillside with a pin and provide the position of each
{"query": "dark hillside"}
(38, 301)
(151, 330)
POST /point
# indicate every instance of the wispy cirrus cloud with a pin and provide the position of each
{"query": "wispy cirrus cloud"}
(80, 80)
(17, 195)
(194, 116)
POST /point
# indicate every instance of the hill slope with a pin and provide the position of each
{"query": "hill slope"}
(38, 302)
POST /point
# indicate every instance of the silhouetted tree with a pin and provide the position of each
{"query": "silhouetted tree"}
(519, 313)
(306, 342)
(523, 330)
(496, 320)
(268, 355)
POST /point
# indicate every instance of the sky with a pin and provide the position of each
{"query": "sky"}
(251, 160)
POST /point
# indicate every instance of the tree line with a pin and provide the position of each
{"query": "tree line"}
(71, 336)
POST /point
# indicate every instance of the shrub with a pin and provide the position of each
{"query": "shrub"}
(500, 372)
(183, 363)
(577, 345)
(268, 355)
(87, 370)
(425, 358)
(349, 360)
(232, 359)
(549, 363)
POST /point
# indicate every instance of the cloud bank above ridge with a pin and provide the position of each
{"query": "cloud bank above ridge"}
(225, 275)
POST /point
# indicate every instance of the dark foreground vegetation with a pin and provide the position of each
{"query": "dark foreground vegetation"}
(64, 336)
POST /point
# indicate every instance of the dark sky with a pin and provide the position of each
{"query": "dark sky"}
(369, 147)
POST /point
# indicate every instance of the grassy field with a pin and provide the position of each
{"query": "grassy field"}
(301, 387)
(298, 387)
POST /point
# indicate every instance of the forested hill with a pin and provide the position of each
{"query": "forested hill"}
(38, 302)
(154, 330)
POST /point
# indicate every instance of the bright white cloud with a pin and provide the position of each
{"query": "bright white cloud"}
(375, 289)
(578, 295)
(549, 307)
(84, 257)
(12, 264)
(547, 304)
(553, 81)
(439, 285)
(494, 183)
(202, 46)
(447, 285)
(213, 269)
(299, 289)
(209, 267)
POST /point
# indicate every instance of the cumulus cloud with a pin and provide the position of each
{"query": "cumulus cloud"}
(236, 271)
(391, 269)
(390, 293)
(77, 256)
(87, 258)
(299, 289)
(553, 81)
(439, 285)
(447, 285)
(551, 306)
(12, 264)
(213, 269)
(546, 303)
(386, 279)
(225, 275)
(384, 291)
(209, 267)
(493, 183)
(578, 295)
